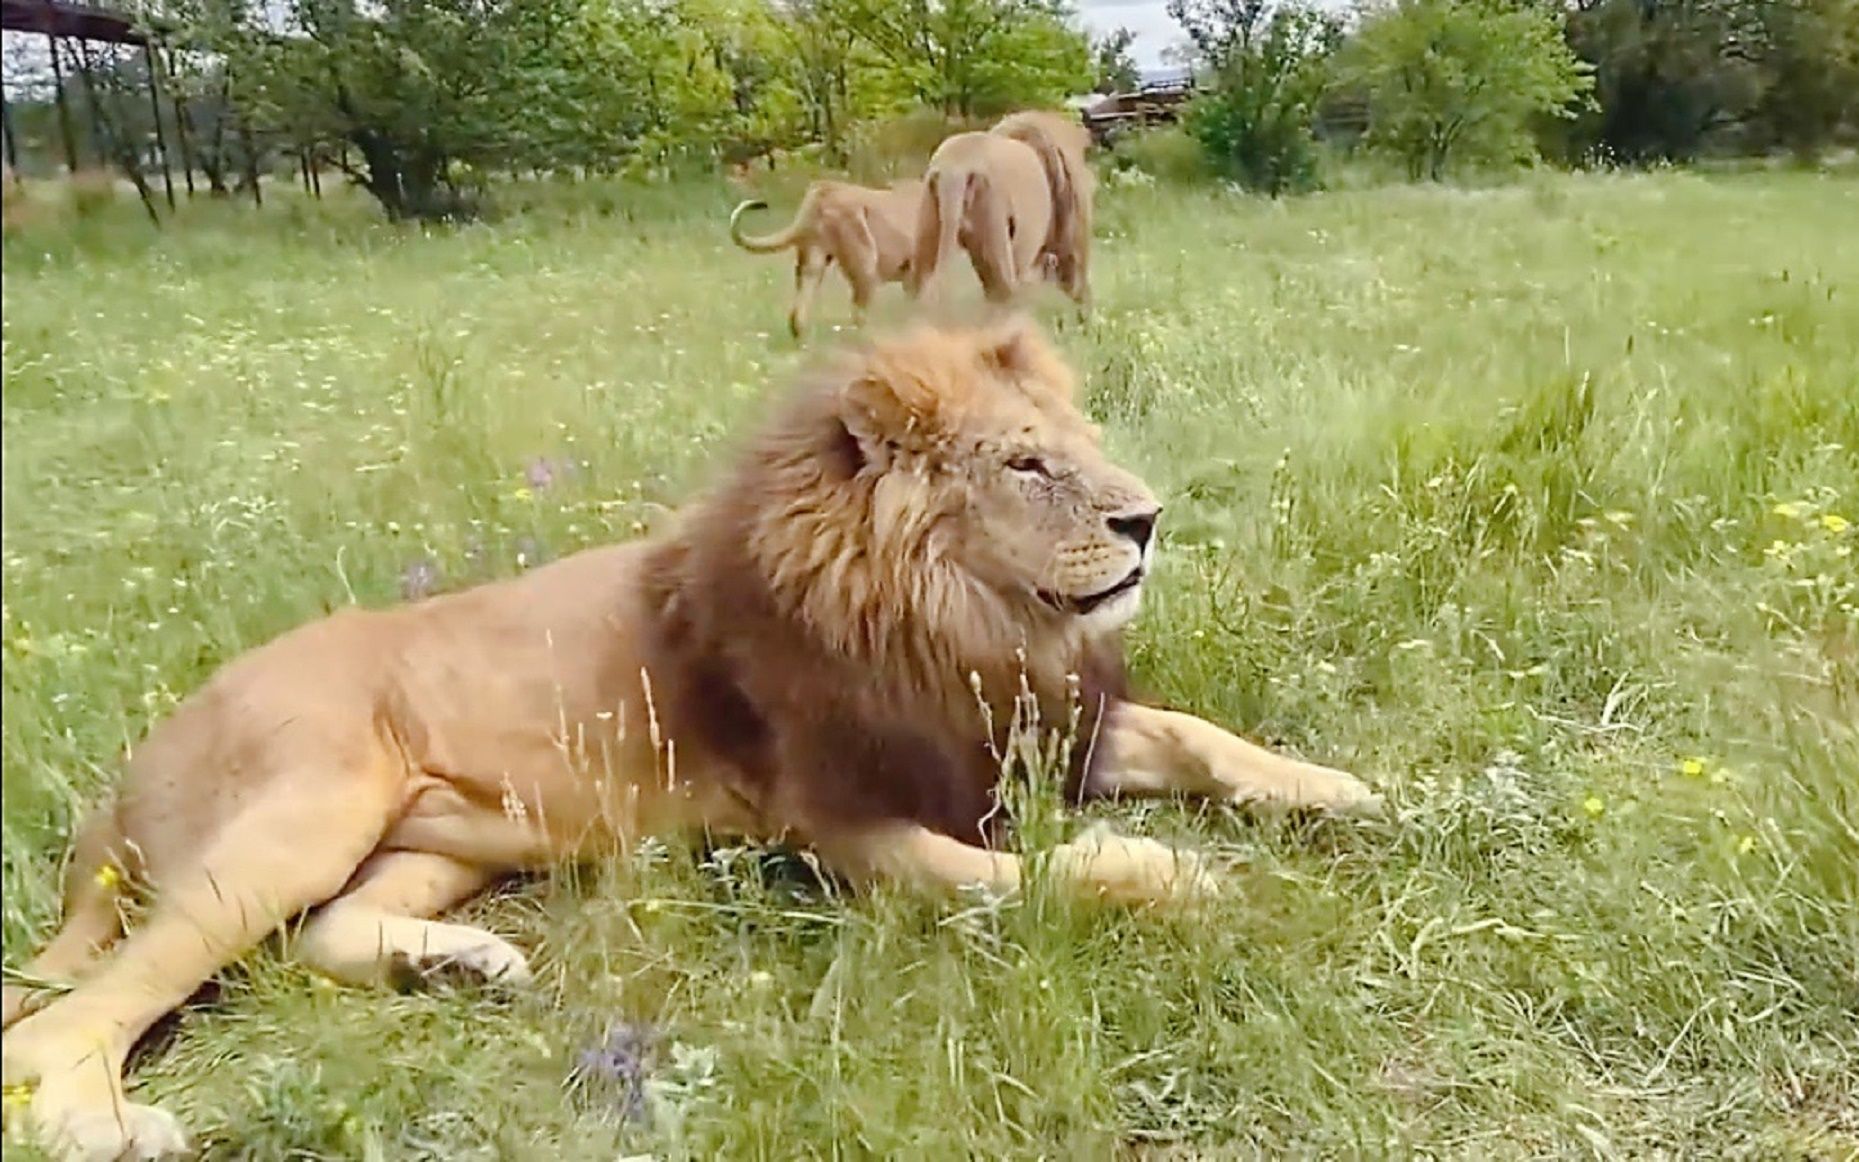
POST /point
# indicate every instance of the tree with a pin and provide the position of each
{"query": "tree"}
(1265, 67)
(427, 90)
(1677, 77)
(1116, 68)
(1810, 73)
(1455, 81)
(414, 85)
(821, 48)
(975, 57)
(1668, 74)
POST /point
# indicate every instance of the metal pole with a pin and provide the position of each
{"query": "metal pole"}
(154, 109)
(6, 125)
(251, 162)
(99, 142)
(178, 104)
(64, 106)
(187, 146)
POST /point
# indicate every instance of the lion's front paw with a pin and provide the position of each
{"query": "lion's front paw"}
(120, 1133)
(466, 956)
(1313, 788)
(1133, 871)
(75, 1107)
(1342, 794)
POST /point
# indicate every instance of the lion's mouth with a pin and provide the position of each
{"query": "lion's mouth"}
(1090, 601)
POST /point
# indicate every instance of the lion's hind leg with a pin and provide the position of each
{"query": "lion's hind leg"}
(858, 261)
(286, 851)
(91, 923)
(991, 249)
(810, 265)
(376, 931)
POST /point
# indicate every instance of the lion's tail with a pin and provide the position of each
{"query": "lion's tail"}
(1029, 130)
(781, 239)
(92, 921)
(939, 219)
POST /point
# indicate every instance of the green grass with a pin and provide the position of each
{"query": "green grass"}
(1475, 493)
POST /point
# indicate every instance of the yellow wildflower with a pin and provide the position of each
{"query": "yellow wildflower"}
(1594, 806)
(1788, 509)
(520, 493)
(1746, 845)
(1833, 522)
(1692, 768)
(108, 877)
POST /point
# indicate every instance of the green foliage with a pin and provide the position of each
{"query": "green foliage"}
(420, 88)
(415, 86)
(1266, 69)
(1677, 77)
(820, 47)
(1450, 82)
(1810, 73)
(1664, 82)
(1167, 153)
(974, 57)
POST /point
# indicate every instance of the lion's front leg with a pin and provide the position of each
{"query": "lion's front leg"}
(1116, 868)
(1163, 752)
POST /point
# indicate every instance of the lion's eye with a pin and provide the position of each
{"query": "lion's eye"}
(1031, 464)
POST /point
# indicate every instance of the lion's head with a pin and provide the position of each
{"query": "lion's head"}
(930, 519)
(980, 463)
(944, 486)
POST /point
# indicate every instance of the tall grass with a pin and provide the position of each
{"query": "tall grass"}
(1529, 504)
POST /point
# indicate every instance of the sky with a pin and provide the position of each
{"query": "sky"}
(1148, 19)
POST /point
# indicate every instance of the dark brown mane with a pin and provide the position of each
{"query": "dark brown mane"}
(829, 659)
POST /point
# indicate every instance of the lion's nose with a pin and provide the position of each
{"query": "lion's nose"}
(1137, 526)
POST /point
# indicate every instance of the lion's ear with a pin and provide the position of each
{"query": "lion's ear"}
(1020, 352)
(875, 417)
(899, 395)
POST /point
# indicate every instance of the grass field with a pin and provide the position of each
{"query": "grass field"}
(1531, 505)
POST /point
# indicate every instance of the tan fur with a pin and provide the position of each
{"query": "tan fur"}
(1018, 198)
(867, 232)
(927, 528)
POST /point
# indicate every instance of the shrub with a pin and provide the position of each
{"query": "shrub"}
(1256, 122)
(1456, 81)
(1166, 153)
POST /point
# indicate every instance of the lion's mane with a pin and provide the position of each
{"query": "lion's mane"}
(811, 633)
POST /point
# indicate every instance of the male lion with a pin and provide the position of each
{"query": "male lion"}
(824, 650)
(1017, 198)
(867, 231)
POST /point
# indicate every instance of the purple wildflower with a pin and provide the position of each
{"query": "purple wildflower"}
(545, 472)
(621, 1062)
(418, 580)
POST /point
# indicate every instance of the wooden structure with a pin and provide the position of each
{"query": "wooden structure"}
(1155, 103)
(67, 23)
